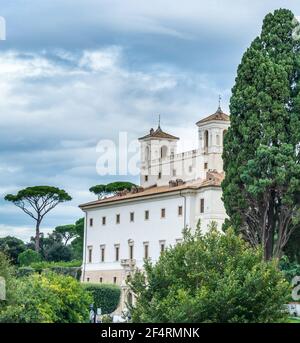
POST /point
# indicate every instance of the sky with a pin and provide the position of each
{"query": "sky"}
(76, 72)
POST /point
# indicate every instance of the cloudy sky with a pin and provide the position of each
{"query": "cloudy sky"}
(73, 72)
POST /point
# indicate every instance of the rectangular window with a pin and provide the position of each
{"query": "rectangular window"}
(101, 280)
(91, 221)
(131, 251)
(205, 165)
(90, 254)
(180, 210)
(190, 168)
(115, 279)
(146, 215)
(146, 250)
(132, 216)
(159, 175)
(102, 250)
(162, 246)
(174, 172)
(146, 178)
(117, 252)
(88, 279)
(163, 213)
(103, 220)
(201, 205)
(118, 219)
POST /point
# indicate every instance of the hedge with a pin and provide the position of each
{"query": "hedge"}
(25, 271)
(106, 296)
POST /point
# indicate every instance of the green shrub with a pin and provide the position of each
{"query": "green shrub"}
(7, 272)
(290, 269)
(210, 278)
(28, 257)
(25, 271)
(106, 297)
(47, 298)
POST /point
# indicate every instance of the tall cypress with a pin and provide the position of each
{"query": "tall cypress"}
(261, 189)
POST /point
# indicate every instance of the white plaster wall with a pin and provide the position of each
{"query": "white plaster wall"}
(140, 231)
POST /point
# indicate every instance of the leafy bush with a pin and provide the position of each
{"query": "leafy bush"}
(106, 297)
(25, 271)
(7, 271)
(12, 247)
(290, 269)
(28, 257)
(210, 278)
(48, 298)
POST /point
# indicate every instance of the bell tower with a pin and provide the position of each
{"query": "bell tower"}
(211, 132)
(156, 147)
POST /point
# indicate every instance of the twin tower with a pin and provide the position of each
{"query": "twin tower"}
(160, 162)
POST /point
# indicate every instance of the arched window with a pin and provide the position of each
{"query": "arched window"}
(205, 139)
(147, 154)
(163, 151)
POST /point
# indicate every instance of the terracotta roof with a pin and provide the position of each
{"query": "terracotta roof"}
(213, 178)
(158, 134)
(219, 115)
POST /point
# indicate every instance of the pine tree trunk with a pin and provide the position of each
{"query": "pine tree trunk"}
(37, 237)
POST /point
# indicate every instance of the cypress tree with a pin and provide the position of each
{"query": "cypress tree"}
(261, 189)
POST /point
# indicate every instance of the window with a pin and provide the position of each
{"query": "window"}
(190, 169)
(146, 250)
(162, 246)
(103, 220)
(163, 213)
(118, 219)
(117, 252)
(132, 216)
(131, 251)
(159, 175)
(101, 280)
(90, 254)
(163, 151)
(115, 279)
(102, 250)
(146, 178)
(146, 215)
(201, 205)
(91, 221)
(174, 172)
(178, 240)
(218, 140)
(88, 279)
(205, 165)
(205, 139)
(180, 210)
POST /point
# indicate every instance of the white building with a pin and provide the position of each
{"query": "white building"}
(176, 191)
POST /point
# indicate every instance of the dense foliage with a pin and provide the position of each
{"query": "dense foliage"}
(12, 247)
(28, 256)
(261, 154)
(105, 296)
(7, 271)
(47, 298)
(210, 278)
